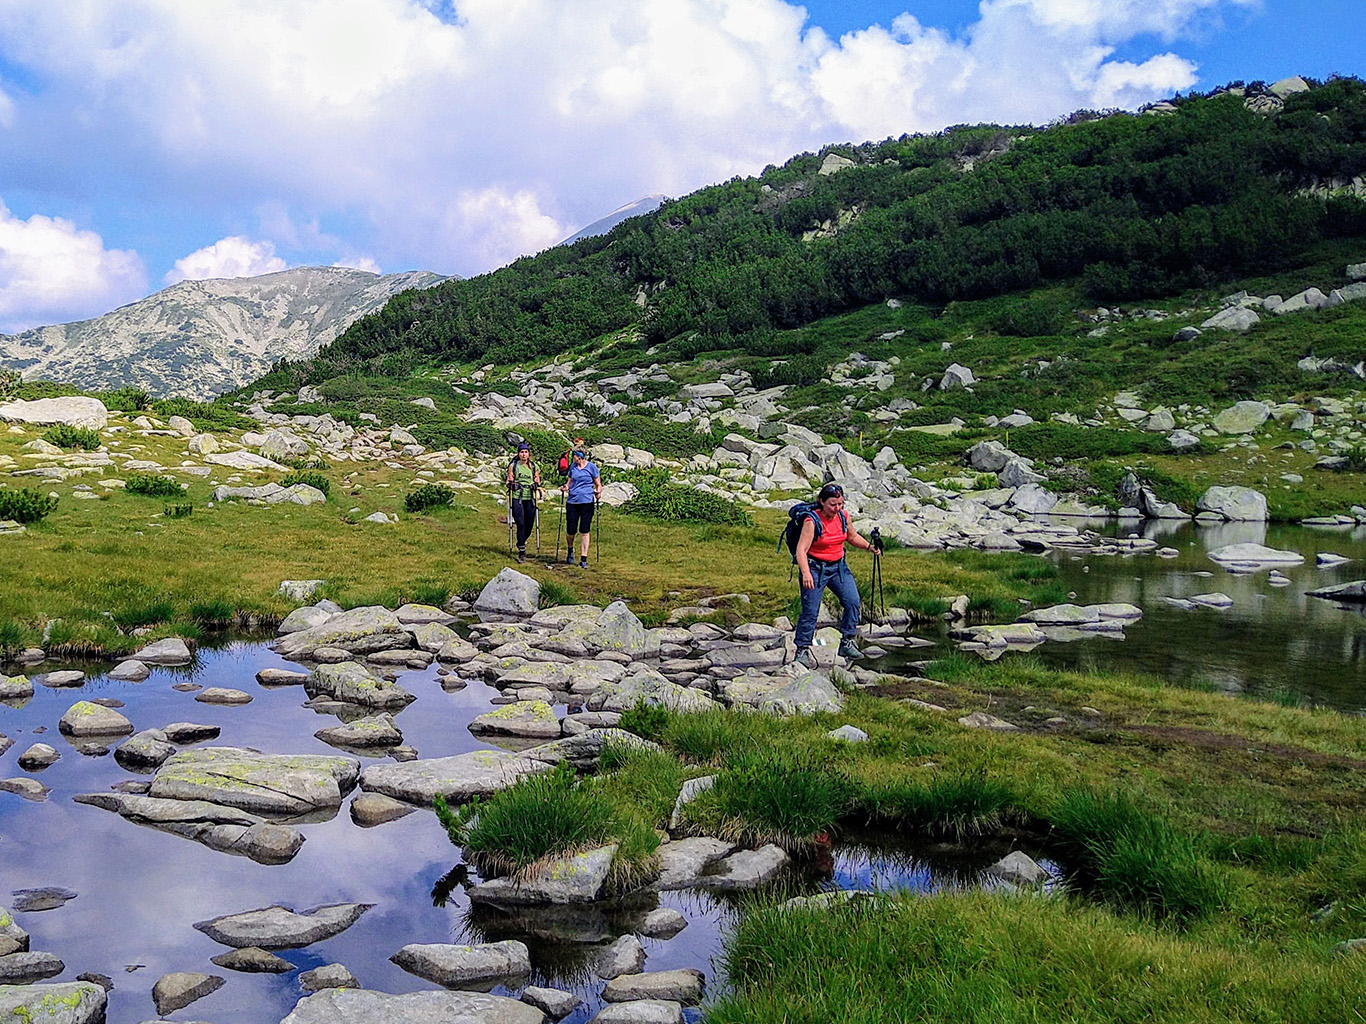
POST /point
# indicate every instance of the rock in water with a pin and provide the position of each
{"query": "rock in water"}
(252, 960)
(171, 651)
(327, 976)
(177, 990)
(86, 718)
(26, 968)
(261, 783)
(457, 778)
(78, 1002)
(357, 1006)
(356, 684)
(576, 879)
(678, 986)
(1257, 554)
(360, 631)
(281, 928)
(1240, 504)
(454, 966)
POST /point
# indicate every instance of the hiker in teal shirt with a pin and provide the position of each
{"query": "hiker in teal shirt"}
(523, 480)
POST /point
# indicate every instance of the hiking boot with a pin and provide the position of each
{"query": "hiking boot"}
(583, 563)
(849, 651)
(521, 556)
(806, 658)
(569, 558)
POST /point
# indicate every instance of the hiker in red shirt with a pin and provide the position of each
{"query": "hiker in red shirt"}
(820, 561)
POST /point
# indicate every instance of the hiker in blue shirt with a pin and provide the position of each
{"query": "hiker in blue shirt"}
(583, 490)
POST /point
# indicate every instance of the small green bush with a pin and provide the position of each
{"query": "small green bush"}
(204, 415)
(178, 511)
(309, 477)
(685, 505)
(302, 462)
(645, 720)
(669, 440)
(428, 496)
(153, 486)
(64, 435)
(25, 506)
(127, 399)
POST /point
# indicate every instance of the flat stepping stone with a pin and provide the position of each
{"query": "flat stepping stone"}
(147, 749)
(29, 789)
(57, 680)
(281, 928)
(376, 731)
(533, 719)
(179, 989)
(747, 869)
(454, 966)
(642, 1011)
(285, 784)
(223, 695)
(457, 778)
(353, 683)
(187, 687)
(624, 956)
(678, 986)
(662, 923)
(25, 968)
(359, 1006)
(281, 677)
(982, 720)
(46, 898)
(252, 960)
(170, 651)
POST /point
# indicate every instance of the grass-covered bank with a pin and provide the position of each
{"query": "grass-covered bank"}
(1214, 846)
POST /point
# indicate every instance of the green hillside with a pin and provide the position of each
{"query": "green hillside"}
(1117, 208)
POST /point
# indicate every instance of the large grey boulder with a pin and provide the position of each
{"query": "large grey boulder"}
(683, 862)
(86, 718)
(1351, 593)
(625, 956)
(261, 783)
(457, 778)
(70, 1002)
(1033, 499)
(147, 749)
(15, 687)
(1242, 417)
(576, 879)
(170, 651)
(747, 869)
(510, 594)
(13, 939)
(808, 694)
(616, 629)
(454, 966)
(956, 376)
(1018, 473)
(360, 631)
(281, 928)
(307, 617)
(1240, 504)
(358, 1006)
(649, 687)
(355, 684)
(531, 719)
(73, 411)
(1233, 318)
(989, 456)
(1310, 298)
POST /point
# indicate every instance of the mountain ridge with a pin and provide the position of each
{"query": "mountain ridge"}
(201, 338)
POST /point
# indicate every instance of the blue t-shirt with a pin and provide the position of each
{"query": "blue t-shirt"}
(581, 483)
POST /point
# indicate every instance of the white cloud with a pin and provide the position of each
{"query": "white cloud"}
(359, 263)
(234, 256)
(457, 144)
(50, 271)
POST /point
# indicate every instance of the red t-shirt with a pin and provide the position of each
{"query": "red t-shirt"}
(829, 546)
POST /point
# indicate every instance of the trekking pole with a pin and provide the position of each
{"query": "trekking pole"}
(540, 497)
(558, 523)
(511, 518)
(597, 534)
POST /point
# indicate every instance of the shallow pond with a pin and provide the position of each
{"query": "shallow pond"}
(140, 890)
(1273, 641)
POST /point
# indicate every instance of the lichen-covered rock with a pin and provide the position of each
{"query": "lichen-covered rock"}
(576, 879)
(170, 651)
(79, 1002)
(179, 989)
(533, 719)
(360, 631)
(86, 718)
(260, 783)
(649, 687)
(376, 731)
(583, 751)
(509, 594)
(356, 684)
(147, 749)
(15, 687)
(1240, 504)
(808, 694)
(457, 778)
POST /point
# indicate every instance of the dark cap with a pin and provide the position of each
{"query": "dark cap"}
(524, 447)
(581, 454)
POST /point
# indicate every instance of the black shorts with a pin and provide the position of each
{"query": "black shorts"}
(578, 516)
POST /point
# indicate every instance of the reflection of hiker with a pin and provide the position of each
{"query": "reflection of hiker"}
(566, 462)
(522, 480)
(583, 489)
(820, 560)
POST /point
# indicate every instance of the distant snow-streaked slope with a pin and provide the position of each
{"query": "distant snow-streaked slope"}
(201, 338)
(649, 204)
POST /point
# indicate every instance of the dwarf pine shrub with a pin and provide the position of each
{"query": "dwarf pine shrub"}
(307, 476)
(428, 496)
(63, 435)
(28, 505)
(152, 485)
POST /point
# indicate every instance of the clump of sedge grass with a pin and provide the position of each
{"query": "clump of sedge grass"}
(957, 806)
(1134, 858)
(554, 593)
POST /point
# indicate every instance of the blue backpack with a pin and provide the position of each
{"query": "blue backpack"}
(797, 515)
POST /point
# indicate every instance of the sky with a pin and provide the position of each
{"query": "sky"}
(144, 142)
